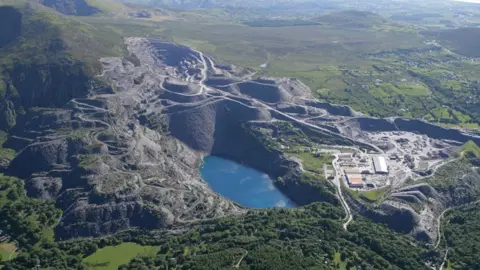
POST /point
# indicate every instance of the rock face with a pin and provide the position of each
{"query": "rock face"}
(10, 25)
(332, 108)
(41, 70)
(128, 155)
(434, 131)
(419, 206)
(354, 126)
(106, 170)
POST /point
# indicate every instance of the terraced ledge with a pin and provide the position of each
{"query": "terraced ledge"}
(129, 157)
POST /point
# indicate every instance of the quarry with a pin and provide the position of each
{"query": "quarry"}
(134, 150)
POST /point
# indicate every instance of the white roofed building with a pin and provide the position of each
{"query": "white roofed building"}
(380, 165)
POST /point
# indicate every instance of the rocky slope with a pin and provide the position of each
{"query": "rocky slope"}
(418, 206)
(128, 155)
(119, 145)
(108, 172)
(50, 69)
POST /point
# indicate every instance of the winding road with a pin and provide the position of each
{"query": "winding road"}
(440, 235)
(338, 185)
(207, 62)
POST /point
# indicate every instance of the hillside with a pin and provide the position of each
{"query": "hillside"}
(71, 7)
(108, 146)
(461, 237)
(464, 41)
(351, 18)
(82, 8)
(194, 4)
(46, 70)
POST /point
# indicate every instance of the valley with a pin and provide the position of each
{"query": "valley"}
(339, 141)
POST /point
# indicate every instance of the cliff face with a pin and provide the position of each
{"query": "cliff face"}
(418, 206)
(106, 170)
(353, 125)
(434, 131)
(50, 69)
(10, 25)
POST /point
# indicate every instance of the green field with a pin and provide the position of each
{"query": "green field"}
(372, 195)
(6, 250)
(471, 147)
(312, 163)
(110, 258)
(342, 265)
(379, 69)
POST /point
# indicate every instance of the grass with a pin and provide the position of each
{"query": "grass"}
(6, 250)
(412, 89)
(372, 196)
(471, 147)
(6, 154)
(449, 266)
(342, 265)
(405, 89)
(312, 163)
(354, 193)
(110, 258)
(338, 62)
(462, 125)
(106, 5)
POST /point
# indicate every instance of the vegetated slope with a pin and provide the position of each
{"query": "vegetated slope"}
(454, 184)
(307, 238)
(351, 18)
(195, 4)
(46, 58)
(464, 41)
(460, 230)
(71, 7)
(24, 219)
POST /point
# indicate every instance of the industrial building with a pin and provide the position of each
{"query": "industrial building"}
(380, 165)
(354, 180)
(353, 170)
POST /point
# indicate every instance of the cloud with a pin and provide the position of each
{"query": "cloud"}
(270, 185)
(243, 180)
(281, 203)
(231, 169)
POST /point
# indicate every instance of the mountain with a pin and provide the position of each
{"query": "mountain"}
(195, 4)
(71, 7)
(46, 70)
(351, 19)
(107, 135)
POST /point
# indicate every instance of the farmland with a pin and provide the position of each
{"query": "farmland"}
(110, 258)
(375, 65)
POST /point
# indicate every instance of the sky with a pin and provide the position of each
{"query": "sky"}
(470, 1)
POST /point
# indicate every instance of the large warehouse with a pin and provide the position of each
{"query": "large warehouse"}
(380, 165)
(354, 180)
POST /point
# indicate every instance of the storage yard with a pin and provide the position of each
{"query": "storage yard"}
(406, 156)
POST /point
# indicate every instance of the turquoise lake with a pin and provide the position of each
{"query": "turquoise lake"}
(244, 185)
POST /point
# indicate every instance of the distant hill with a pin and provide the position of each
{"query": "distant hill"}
(71, 7)
(47, 69)
(464, 41)
(351, 18)
(195, 4)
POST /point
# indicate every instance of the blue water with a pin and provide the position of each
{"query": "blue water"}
(242, 184)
